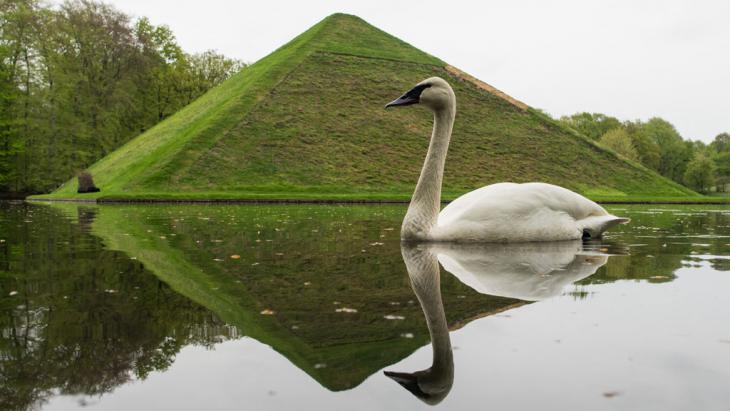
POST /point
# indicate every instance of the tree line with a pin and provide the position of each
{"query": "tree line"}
(658, 145)
(79, 79)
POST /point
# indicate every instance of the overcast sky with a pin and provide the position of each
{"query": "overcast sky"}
(630, 59)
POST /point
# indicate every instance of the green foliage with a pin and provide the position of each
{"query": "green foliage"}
(646, 148)
(9, 144)
(721, 143)
(656, 143)
(722, 163)
(618, 140)
(700, 173)
(675, 154)
(79, 80)
(307, 121)
(591, 125)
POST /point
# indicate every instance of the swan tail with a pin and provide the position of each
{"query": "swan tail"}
(595, 226)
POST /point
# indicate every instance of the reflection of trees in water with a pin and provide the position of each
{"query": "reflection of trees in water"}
(665, 241)
(84, 320)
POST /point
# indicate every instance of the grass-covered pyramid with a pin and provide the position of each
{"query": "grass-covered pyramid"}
(307, 121)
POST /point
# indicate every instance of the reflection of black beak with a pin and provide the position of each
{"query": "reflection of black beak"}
(407, 380)
(404, 100)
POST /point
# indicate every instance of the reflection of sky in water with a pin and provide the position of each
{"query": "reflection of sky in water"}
(655, 347)
(648, 330)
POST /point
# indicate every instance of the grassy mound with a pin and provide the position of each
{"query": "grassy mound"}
(307, 122)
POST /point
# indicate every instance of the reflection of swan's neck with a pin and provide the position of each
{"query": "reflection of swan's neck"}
(428, 291)
(434, 383)
(426, 202)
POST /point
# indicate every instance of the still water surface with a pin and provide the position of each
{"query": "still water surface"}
(305, 307)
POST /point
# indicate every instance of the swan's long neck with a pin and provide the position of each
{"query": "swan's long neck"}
(425, 204)
(424, 273)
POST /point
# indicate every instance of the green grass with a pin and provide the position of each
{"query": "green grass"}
(317, 195)
(307, 122)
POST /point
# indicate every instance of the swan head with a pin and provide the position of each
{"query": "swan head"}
(434, 93)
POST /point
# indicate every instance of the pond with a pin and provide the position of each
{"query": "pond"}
(318, 307)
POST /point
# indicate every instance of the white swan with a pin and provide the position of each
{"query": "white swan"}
(504, 212)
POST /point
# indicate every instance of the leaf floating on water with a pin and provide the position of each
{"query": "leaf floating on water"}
(320, 365)
(1, 240)
(307, 283)
(376, 243)
(394, 317)
(235, 257)
(268, 312)
(110, 291)
(162, 237)
(346, 310)
(217, 259)
(407, 335)
(12, 293)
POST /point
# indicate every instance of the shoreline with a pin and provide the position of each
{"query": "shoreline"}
(326, 201)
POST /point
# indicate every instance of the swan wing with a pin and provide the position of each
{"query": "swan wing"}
(522, 212)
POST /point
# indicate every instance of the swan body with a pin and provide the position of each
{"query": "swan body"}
(510, 212)
(504, 212)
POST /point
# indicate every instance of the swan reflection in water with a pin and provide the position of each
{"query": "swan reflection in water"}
(530, 272)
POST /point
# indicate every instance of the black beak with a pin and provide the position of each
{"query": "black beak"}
(404, 100)
(412, 96)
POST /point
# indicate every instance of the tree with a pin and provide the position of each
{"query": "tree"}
(674, 153)
(208, 69)
(646, 148)
(700, 173)
(722, 164)
(619, 141)
(592, 125)
(721, 143)
(9, 144)
(79, 80)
